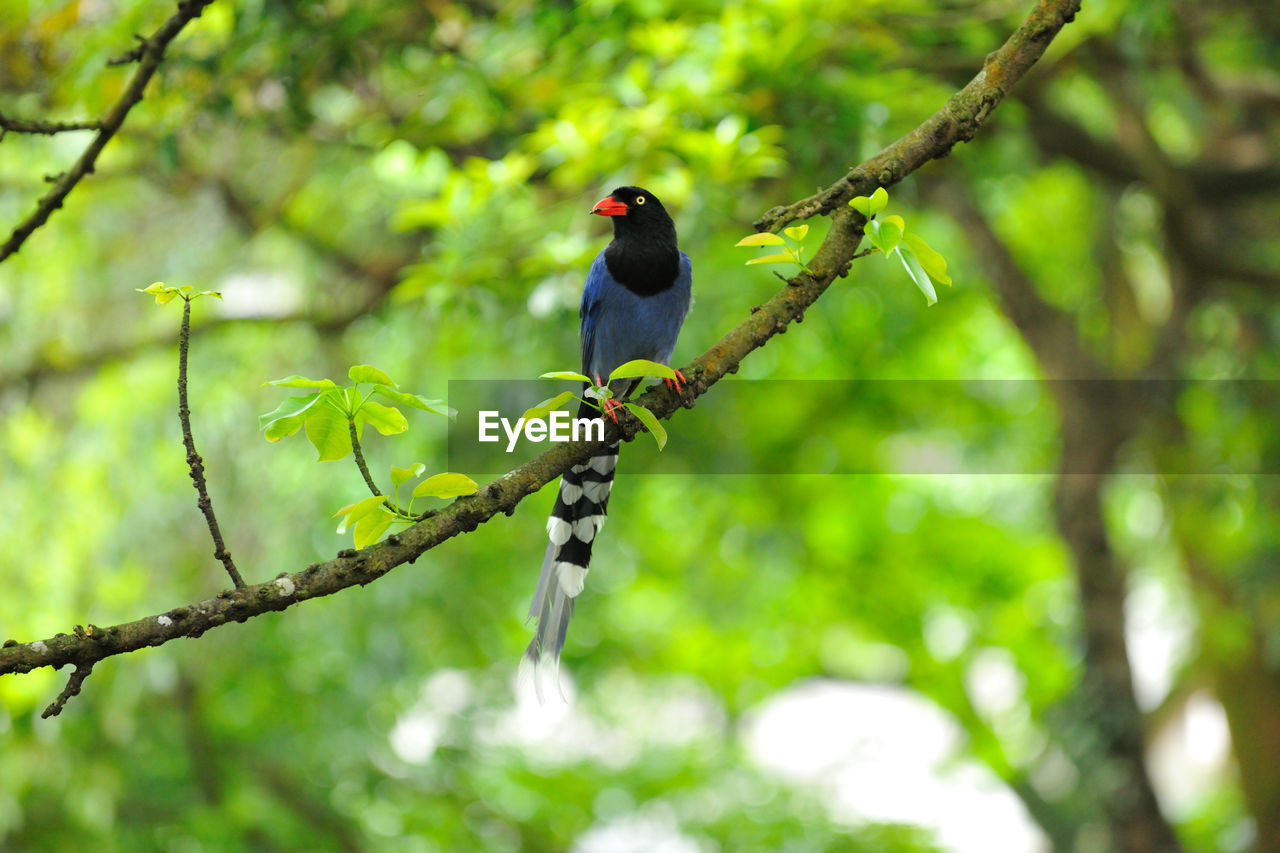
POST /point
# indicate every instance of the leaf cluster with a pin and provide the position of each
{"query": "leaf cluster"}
(890, 236)
(639, 368)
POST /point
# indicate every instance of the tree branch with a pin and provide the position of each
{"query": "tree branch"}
(194, 462)
(151, 52)
(957, 121)
(960, 117)
(48, 128)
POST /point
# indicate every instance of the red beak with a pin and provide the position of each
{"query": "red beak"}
(609, 206)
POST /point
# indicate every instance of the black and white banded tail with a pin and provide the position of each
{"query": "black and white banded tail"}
(575, 520)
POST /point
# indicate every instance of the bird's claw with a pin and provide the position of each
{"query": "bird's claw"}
(611, 407)
(675, 383)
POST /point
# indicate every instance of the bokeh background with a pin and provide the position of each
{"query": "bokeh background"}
(881, 662)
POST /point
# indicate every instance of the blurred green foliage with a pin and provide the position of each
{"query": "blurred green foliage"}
(406, 184)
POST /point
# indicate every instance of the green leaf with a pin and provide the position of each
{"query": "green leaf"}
(447, 485)
(641, 367)
(651, 423)
(296, 381)
(154, 287)
(933, 262)
(567, 374)
(328, 430)
(369, 374)
(370, 528)
(400, 476)
(918, 275)
(764, 238)
(885, 233)
(415, 401)
(788, 258)
(358, 510)
(387, 420)
(796, 232)
(287, 418)
(164, 297)
(544, 408)
(879, 199)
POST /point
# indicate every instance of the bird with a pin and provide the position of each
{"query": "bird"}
(634, 302)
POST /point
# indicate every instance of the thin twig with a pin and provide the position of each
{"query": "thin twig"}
(194, 462)
(134, 54)
(18, 125)
(74, 683)
(151, 51)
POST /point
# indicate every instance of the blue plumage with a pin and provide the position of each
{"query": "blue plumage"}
(619, 325)
(634, 302)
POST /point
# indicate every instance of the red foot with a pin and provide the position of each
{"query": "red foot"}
(608, 404)
(611, 406)
(676, 382)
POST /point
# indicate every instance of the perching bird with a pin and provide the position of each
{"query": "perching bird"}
(633, 305)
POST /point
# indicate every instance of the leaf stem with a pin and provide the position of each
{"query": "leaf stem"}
(358, 454)
(360, 463)
(194, 462)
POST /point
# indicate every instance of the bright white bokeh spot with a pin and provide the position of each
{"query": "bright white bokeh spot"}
(885, 754)
(993, 682)
(418, 731)
(946, 632)
(415, 736)
(653, 829)
(1158, 634)
(1190, 754)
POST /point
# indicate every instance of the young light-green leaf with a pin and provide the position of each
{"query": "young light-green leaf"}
(763, 238)
(544, 408)
(297, 381)
(400, 476)
(328, 431)
(640, 367)
(447, 485)
(878, 200)
(918, 275)
(369, 374)
(415, 401)
(370, 528)
(796, 232)
(567, 374)
(888, 233)
(354, 512)
(287, 417)
(933, 262)
(651, 423)
(787, 258)
(387, 420)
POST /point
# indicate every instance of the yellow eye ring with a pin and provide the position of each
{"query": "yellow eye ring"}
(639, 199)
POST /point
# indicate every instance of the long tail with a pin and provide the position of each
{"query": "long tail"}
(575, 520)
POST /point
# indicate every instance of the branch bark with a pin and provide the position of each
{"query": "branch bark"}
(958, 119)
(149, 54)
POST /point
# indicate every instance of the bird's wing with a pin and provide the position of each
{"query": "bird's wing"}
(599, 281)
